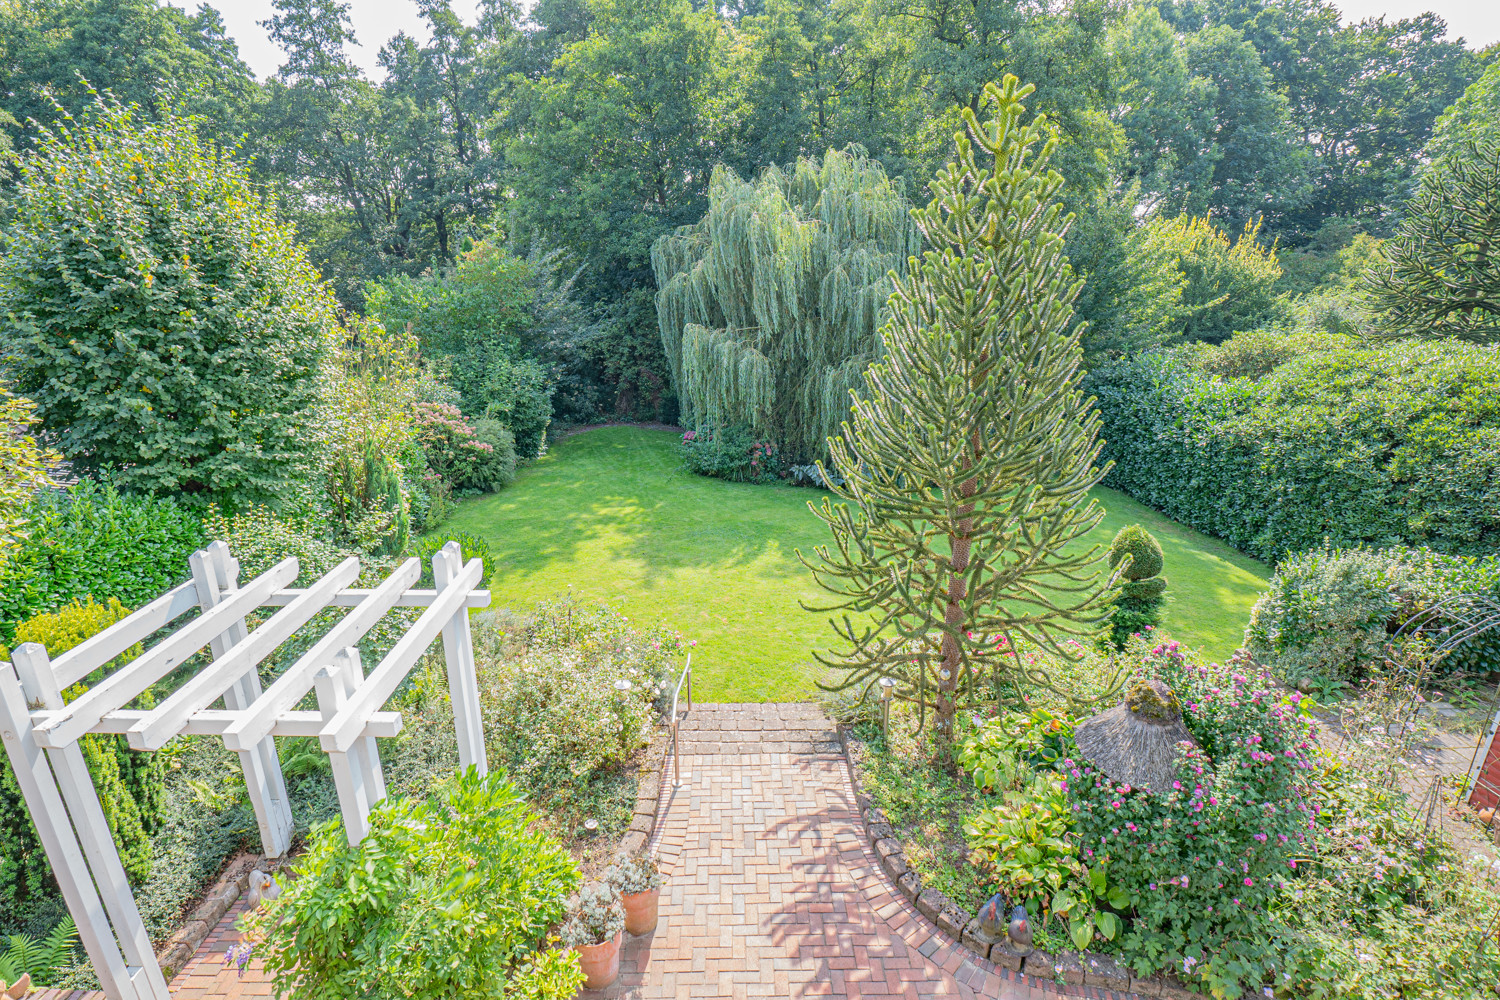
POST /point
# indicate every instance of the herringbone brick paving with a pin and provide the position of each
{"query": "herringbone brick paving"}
(772, 890)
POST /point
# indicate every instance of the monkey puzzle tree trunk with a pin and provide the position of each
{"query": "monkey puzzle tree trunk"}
(969, 454)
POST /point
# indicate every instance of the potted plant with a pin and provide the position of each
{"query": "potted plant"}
(595, 928)
(638, 881)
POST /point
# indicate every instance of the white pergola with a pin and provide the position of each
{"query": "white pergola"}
(41, 732)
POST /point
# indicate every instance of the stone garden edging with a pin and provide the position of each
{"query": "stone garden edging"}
(224, 893)
(1080, 969)
(648, 802)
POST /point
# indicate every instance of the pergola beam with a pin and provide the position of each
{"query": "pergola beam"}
(166, 720)
(116, 690)
(93, 653)
(348, 724)
(477, 600)
(297, 680)
(217, 721)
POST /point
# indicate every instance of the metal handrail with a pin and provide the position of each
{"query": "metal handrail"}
(685, 678)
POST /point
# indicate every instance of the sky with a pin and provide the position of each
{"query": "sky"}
(1478, 21)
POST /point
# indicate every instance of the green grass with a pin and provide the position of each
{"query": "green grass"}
(611, 515)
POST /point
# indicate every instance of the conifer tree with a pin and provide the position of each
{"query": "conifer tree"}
(1441, 273)
(769, 307)
(971, 451)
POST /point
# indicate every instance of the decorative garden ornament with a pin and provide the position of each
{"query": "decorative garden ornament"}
(1135, 743)
(990, 919)
(1020, 931)
(263, 888)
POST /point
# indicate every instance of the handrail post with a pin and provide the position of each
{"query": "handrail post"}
(685, 678)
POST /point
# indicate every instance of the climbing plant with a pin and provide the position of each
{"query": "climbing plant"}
(769, 305)
(969, 456)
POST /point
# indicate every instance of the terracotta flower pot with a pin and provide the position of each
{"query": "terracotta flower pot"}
(641, 911)
(600, 962)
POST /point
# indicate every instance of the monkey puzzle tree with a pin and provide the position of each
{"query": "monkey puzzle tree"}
(769, 306)
(971, 451)
(1441, 272)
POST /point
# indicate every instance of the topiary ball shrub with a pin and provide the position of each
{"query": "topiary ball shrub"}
(1138, 606)
(1204, 860)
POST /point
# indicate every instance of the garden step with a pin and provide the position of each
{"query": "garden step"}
(744, 728)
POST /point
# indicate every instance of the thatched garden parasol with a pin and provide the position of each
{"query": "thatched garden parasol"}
(1135, 742)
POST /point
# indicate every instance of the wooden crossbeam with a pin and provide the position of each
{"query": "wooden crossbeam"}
(348, 724)
(151, 666)
(166, 720)
(297, 679)
(94, 652)
(217, 721)
(477, 600)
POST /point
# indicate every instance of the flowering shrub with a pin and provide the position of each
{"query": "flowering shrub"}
(470, 456)
(730, 453)
(1204, 863)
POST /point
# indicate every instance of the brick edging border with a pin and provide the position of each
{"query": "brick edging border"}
(184, 943)
(641, 835)
(1079, 970)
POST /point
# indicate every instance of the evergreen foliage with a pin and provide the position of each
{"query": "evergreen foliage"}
(968, 460)
(1441, 271)
(166, 324)
(1395, 445)
(1138, 605)
(769, 306)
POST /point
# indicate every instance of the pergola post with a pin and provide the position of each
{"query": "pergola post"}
(70, 823)
(458, 653)
(356, 773)
(215, 572)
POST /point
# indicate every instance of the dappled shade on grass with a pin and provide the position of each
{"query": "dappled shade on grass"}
(611, 514)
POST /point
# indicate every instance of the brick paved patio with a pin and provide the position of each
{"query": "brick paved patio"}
(772, 891)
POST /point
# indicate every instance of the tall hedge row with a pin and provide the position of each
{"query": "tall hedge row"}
(1399, 445)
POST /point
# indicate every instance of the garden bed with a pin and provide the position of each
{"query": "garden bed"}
(1273, 865)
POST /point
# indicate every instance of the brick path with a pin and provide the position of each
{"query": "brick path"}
(772, 890)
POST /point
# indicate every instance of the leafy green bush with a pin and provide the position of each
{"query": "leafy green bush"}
(730, 453)
(1333, 611)
(473, 547)
(1138, 606)
(451, 896)
(260, 538)
(1203, 862)
(25, 465)
(1388, 446)
(518, 394)
(168, 326)
(93, 540)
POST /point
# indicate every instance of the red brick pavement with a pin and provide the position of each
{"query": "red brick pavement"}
(773, 892)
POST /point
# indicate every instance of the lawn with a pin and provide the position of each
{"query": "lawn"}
(610, 515)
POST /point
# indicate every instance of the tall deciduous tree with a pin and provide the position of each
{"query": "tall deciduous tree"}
(769, 306)
(163, 320)
(1441, 273)
(968, 460)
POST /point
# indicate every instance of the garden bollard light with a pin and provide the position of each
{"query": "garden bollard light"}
(886, 683)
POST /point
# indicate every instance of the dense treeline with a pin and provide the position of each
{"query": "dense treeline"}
(593, 127)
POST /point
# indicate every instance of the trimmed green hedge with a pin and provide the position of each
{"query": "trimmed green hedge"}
(1382, 447)
(94, 541)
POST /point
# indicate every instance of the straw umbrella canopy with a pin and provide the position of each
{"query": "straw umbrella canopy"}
(1135, 743)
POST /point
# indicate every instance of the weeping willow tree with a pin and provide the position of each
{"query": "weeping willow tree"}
(970, 452)
(769, 307)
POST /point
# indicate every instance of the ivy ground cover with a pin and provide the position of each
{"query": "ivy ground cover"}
(611, 514)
